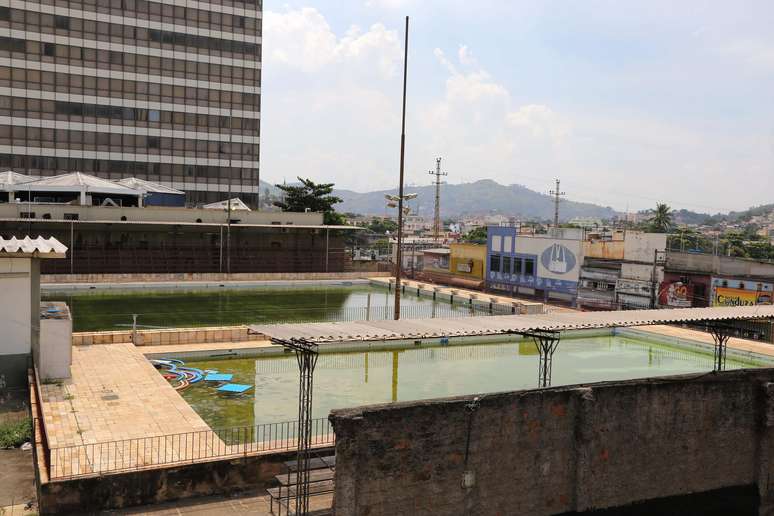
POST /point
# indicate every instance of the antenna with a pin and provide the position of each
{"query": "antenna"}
(438, 182)
(556, 193)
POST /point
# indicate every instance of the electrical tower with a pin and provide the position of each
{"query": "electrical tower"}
(556, 193)
(437, 221)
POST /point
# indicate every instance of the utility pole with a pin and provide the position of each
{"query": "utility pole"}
(556, 193)
(399, 253)
(437, 220)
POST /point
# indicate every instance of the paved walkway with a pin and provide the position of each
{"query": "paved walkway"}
(114, 394)
(754, 346)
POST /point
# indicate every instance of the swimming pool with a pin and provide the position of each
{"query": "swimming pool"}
(103, 310)
(429, 371)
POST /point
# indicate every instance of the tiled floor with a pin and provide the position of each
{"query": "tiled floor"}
(115, 394)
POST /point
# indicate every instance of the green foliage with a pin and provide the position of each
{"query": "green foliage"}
(382, 226)
(15, 433)
(662, 219)
(310, 196)
(475, 236)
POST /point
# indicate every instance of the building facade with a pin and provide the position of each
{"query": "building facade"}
(166, 91)
(545, 266)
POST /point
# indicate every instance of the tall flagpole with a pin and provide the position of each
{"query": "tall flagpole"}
(399, 254)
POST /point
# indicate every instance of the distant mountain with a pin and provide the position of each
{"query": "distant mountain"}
(479, 198)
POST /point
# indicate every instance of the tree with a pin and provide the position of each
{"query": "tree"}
(310, 196)
(662, 219)
(476, 236)
(382, 226)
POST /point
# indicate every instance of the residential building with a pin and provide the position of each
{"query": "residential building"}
(162, 91)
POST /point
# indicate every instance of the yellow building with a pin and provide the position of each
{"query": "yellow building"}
(467, 260)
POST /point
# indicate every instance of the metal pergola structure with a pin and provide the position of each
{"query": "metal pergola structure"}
(306, 355)
(546, 342)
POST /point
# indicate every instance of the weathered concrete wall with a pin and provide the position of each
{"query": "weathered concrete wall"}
(116, 491)
(163, 337)
(559, 450)
(720, 265)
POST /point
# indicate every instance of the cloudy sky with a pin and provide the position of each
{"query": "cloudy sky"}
(627, 102)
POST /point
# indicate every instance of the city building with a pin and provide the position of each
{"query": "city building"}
(698, 280)
(546, 266)
(167, 92)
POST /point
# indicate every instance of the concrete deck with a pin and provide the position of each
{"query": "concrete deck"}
(753, 346)
(445, 292)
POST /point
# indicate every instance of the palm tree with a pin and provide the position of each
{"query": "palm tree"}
(662, 219)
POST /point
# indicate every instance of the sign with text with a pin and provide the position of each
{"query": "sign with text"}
(735, 292)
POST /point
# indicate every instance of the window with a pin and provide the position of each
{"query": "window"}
(154, 115)
(529, 266)
(517, 268)
(71, 216)
(506, 264)
(153, 142)
(49, 49)
(497, 243)
(494, 263)
(507, 244)
(62, 22)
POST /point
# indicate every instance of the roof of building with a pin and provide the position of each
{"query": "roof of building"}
(32, 247)
(11, 178)
(147, 186)
(77, 181)
(504, 324)
(236, 205)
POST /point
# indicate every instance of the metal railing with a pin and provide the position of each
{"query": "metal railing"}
(183, 448)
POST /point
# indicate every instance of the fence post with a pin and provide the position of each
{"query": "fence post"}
(368, 307)
(134, 329)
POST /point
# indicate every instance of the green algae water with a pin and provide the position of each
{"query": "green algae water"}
(344, 380)
(112, 310)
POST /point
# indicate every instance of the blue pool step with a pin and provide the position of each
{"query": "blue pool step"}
(234, 387)
(218, 377)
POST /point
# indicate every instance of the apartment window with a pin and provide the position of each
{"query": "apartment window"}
(154, 115)
(529, 266)
(62, 22)
(49, 49)
(517, 268)
(494, 263)
(497, 243)
(153, 142)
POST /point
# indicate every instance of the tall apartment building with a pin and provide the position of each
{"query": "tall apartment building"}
(165, 90)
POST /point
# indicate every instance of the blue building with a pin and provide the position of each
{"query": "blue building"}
(546, 266)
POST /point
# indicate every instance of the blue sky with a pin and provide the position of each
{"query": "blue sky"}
(628, 103)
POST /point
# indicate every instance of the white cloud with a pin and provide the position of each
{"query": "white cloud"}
(466, 56)
(302, 39)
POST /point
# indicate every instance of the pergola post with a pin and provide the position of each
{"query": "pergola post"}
(306, 355)
(720, 334)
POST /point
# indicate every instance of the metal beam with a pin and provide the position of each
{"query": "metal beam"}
(546, 342)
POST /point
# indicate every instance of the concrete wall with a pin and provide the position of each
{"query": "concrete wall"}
(149, 486)
(642, 247)
(558, 450)
(718, 265)
(607, 249)
(205, 335)
(19, 305)
(158, 213)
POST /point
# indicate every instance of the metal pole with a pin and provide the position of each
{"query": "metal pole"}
(327, 242)
(228, 227)
(72, 247)
(399, 254)
(368, 308)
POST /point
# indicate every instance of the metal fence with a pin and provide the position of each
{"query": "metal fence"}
(132, 454)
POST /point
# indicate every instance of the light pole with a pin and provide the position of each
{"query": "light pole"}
(396, 201)
(400, 184)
